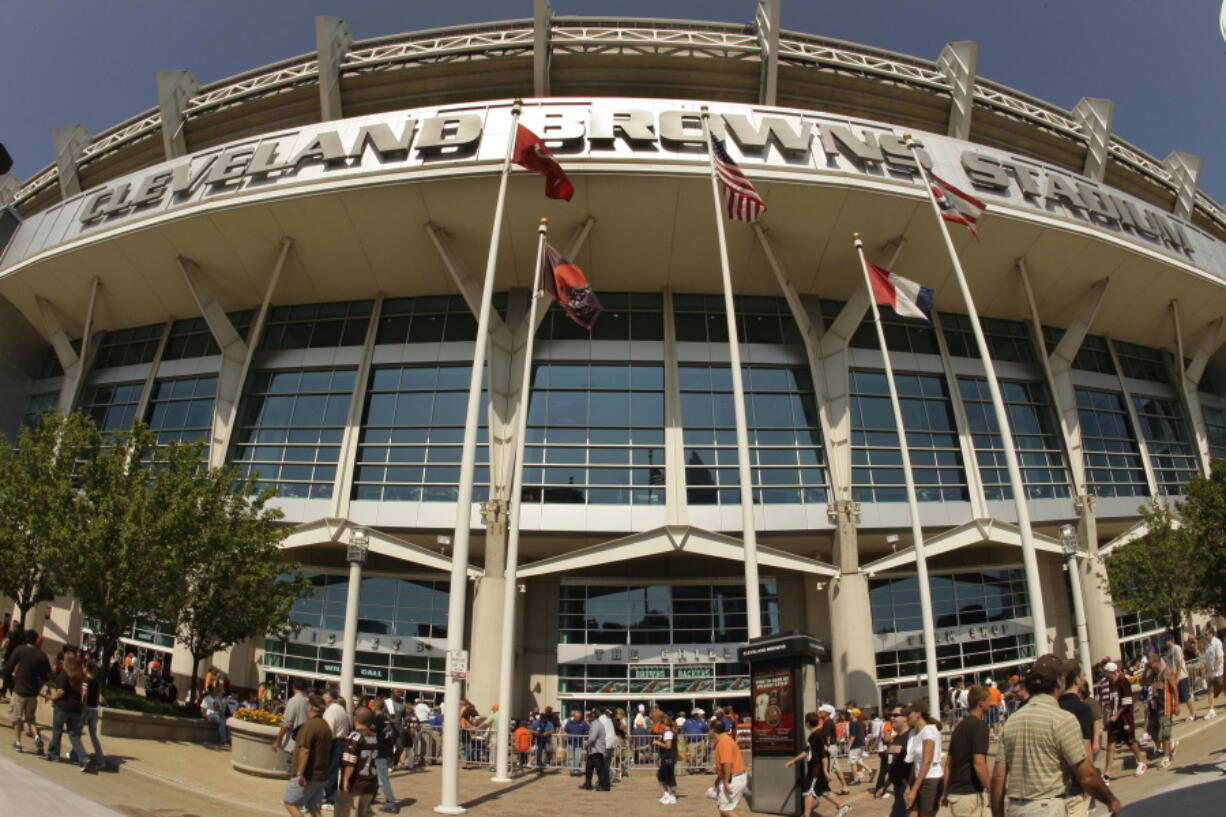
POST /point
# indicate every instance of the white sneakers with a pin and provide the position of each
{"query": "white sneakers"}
(1212, 713)
(842, 810)
(668, 799)
(1141, 769)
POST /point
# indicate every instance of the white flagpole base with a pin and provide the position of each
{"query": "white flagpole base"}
(500, 780)
(449, 809)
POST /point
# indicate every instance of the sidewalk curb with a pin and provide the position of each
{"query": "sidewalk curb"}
(193, 789)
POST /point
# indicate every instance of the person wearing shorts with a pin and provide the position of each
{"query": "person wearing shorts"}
(30, 669)
(731, 775)
(817, 769)
(1120, 726)
(312, 754)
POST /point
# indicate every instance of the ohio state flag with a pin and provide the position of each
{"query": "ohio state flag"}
(566, 284)
(531, 154)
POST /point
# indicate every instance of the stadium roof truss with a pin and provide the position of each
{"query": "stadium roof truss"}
(751, 42)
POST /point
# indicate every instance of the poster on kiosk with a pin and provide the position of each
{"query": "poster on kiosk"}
(783, 683)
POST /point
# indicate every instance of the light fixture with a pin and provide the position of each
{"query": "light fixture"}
(444, 543)
(821, 585)
(1068, 539)
(892, 539)
(523, 588)
(359, 545)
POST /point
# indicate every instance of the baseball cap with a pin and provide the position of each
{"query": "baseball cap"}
(991, 683)
(855, 713)
(1110, 666)
(827, 708)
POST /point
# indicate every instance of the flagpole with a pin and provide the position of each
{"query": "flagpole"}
(1030, 562)
(917, 532)
(511, 589)
(457, 598)
(753, 602)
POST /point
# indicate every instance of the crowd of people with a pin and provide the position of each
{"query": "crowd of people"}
(1058, 734)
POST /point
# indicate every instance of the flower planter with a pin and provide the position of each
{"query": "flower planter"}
(252, 752)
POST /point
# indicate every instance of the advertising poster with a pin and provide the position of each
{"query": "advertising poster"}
(774, 709)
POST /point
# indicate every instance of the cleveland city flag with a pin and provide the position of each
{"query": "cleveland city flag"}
(566, 284)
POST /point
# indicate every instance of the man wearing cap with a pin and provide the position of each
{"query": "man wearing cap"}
(696, 730)
(1039, 742)
(1120, 726)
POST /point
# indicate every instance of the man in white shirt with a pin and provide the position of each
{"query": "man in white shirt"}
(422, 710)
(217, 707)
(338, 721)
(1214, 657)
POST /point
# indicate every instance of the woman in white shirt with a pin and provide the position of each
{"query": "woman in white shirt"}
(924, 754)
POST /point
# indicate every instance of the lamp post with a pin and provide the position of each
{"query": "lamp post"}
(1068, 539)
(359, 546)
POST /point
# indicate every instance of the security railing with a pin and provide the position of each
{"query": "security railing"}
(562, 752)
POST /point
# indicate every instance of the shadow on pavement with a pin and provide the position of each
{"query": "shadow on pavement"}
(1203, 798)
(494, 795)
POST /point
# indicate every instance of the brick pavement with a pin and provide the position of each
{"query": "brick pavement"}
(205, 771)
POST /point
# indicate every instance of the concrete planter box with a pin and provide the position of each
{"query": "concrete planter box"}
(122, 723)
(252, 752)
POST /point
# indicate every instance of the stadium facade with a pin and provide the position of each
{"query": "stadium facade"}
(279, 263)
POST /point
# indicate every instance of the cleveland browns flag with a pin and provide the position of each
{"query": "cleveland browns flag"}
(531, 154)
(566, 284)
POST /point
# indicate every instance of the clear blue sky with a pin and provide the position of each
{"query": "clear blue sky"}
(1162, 61)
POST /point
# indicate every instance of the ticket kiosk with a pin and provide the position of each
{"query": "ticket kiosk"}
(783, 678)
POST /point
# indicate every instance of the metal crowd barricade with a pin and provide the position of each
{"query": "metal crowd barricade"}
(635, 752)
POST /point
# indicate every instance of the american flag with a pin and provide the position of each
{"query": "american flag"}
(958, 207)
(743, 202)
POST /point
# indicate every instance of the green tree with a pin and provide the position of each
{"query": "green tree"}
(134, 503)
(1204, 520)
(1159, 574)
(37, 496)
(233, 584)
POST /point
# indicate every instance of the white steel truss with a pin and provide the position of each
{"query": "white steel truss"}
(620, 36)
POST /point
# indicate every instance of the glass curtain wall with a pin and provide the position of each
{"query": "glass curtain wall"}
(1168, 441)
(1112, 458)
(595, 434)
(657, 640)
(402, 624)
(413, 434)
(112, 407)
(182, 409)
(784, 435)
(932, 439)
(1215, 429)
(291, 427)
(981, 618)
(1034, 433)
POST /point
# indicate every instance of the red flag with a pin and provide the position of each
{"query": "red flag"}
(531, 154)
(566, 284)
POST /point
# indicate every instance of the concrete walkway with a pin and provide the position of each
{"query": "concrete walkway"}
(31, 794)
(202, 775)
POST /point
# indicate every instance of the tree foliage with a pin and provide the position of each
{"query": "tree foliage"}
(1204, 518)
(1157, 575)
(133, 529)
(130, 511)
(232, 583)
(37, 496)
